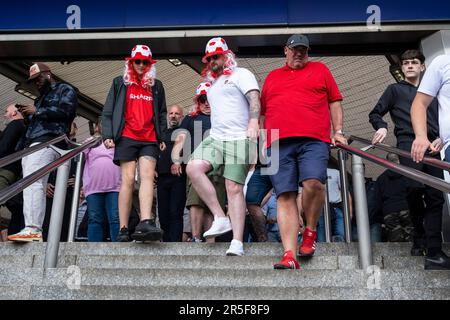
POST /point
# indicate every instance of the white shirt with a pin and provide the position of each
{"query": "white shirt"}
(334, 186)
(436, 83)
(229, 106)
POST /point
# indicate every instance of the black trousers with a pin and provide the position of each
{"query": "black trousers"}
(171, 203)
(425, 203)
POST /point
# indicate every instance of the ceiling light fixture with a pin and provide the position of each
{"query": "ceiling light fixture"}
(176, 62)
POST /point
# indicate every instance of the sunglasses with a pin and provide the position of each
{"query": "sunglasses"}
(214, 57)
(203, 98)
(139, 62)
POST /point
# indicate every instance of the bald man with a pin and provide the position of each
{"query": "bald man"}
(171, 189)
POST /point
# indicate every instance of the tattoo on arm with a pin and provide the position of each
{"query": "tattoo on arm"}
(255, 103)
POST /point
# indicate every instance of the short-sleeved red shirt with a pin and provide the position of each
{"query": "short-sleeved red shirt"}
(297, 101)
(139, 114)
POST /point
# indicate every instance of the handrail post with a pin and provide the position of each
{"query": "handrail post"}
(326, 215)
(56, 219)
(344, 194)
(75, 198)
(362, 216)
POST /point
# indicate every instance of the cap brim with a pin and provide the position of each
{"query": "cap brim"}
(33, 77)
(297, 45)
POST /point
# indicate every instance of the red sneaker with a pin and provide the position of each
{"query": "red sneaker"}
(308, 246)
(287, 262)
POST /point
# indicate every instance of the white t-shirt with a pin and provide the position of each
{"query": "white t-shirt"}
(334, 186)
(229, 106)
(436, 83)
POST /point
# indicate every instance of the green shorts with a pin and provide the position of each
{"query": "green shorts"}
(193, 199)
(233, 157)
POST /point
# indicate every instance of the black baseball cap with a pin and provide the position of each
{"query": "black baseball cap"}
(297, 40)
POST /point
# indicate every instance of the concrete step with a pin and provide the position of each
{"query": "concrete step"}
(207, 262)
(205, 249)
(223, 262)
(226, 293)
(88, 292)
(256, 278)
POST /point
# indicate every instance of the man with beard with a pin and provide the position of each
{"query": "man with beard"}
(50, 117)
(194, 128)
(235, 107)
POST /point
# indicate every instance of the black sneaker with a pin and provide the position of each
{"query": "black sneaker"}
(439, 261)
(123, 236)
(146, 230)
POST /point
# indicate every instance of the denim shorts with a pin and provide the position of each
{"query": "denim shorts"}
(257, 187)
(299, 160)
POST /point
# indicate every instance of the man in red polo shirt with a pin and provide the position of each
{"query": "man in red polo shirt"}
(298, 100)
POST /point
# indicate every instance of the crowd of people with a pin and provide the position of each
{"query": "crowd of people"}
(246, 164)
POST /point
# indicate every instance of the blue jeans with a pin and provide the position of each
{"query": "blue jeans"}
(101, 205)
(337, 226)
(375, 233)
(447, 154)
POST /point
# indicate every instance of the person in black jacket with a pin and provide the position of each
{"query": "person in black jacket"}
(14, 130)
(50, 117)
(134, 118)
(171, 188)
(9, 138)
(425, 203)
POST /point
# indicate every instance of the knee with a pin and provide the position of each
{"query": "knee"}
(127, 179)
(234, 188)
(194, 169)
(313, 187)
(94, 217)
(148, 176)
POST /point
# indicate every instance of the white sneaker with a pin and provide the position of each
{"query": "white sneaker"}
(27, 235)
(219, 226)
(236, 248)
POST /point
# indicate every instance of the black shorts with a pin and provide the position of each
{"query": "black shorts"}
(130, 150)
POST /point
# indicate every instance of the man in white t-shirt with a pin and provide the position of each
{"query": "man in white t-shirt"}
(234, 98)
(435, 83)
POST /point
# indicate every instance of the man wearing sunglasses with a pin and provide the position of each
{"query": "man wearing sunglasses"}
(299, 100)
(235, 107)
(134, 118)
(194, 128)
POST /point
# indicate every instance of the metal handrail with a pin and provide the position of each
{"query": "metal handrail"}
(25, 152)
(426, 160)
(20, 185)
(403, 170)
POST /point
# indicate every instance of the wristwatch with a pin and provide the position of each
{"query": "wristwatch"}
(339, 132)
